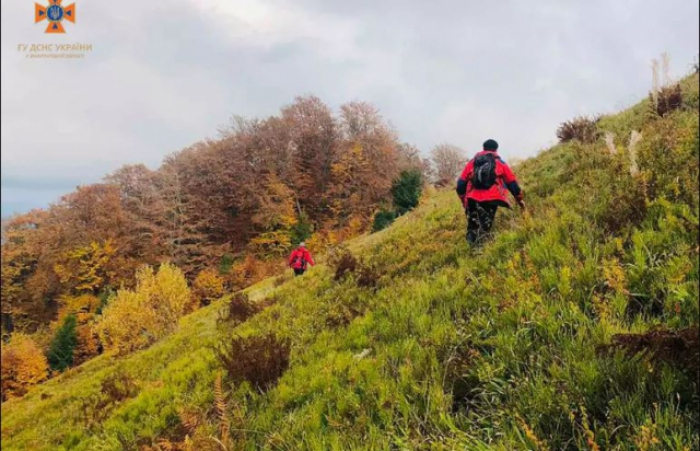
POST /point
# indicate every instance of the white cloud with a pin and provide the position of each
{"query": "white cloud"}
(265, 24)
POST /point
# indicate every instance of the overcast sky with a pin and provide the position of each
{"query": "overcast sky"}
(165, 74)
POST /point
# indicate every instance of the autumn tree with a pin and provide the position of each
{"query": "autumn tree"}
(367, 164)
(313, 143)
(142, 203)
(27, 282)
(136, 318)
(448, 161)
(409, 158)
(275, 217)
(23, 365)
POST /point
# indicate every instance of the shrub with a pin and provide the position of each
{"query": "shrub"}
(118, 387)
(678, 348)
(207, 287)
(367, 276)
(226, 264)
(114, 389)
(136, 319)
(582, 128)
(60, 354)
(406, 190)
(240, 308)
(626, 207)
(344, 263)
(383, 219)
(667, 99)
(341, 313)
(668, 158)
(23, 365)
(259, 360)
(246, 272)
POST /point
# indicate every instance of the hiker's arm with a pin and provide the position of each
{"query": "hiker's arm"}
(512, 184)
(311, 260)
(291, 258)
(462, 182)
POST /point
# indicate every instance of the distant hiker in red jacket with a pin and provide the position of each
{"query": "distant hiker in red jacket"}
(482, 189)
(299, 258)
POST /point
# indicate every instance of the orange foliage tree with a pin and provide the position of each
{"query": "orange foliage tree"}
(23, 365)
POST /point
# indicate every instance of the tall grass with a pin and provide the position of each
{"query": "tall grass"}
(449, 347)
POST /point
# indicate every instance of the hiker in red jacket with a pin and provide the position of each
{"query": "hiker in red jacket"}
(299, 258)
(482, 189)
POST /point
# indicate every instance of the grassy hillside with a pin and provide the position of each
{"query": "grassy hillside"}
(453, 348)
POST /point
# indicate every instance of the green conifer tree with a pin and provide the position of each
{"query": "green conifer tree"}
(60, 353)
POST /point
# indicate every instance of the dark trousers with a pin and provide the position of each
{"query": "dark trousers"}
(480, 217)
(298, 271)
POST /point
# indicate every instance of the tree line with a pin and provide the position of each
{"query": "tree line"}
(231, 203)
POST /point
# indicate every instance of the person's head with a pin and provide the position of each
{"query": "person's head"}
(491, 145)
(302, 244)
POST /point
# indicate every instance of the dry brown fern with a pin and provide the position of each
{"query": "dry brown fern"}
(582, 128)
(190, 419)
(221, 407)
(166, 445)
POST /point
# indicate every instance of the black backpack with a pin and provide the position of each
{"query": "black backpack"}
(484, 175)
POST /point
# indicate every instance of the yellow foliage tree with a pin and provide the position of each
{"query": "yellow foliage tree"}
(23, 366)
(86, 267)
(82, 305)
(276, 217)
(136, 318)
(207, 286)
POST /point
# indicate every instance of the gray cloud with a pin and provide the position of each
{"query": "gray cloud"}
(164, 74)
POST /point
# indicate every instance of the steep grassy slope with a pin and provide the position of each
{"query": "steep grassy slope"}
(454, 348)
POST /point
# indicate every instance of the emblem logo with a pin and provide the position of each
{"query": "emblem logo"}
(54, 13)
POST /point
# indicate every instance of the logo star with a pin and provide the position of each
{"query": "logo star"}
(54, 13)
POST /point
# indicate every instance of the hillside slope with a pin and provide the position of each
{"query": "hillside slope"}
(453, 348)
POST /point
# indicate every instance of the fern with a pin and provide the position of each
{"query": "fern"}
(221, 407)
(190, 420)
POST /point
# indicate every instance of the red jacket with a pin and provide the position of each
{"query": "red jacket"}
(505, 180)
(300, 257)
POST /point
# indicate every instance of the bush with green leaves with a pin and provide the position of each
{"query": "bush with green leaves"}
(383, 219)
(60, 353)
(226, 263)
(406, 190)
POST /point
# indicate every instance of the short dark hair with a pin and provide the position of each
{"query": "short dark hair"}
(490, 144)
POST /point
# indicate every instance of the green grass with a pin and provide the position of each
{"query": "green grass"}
(492, 348)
